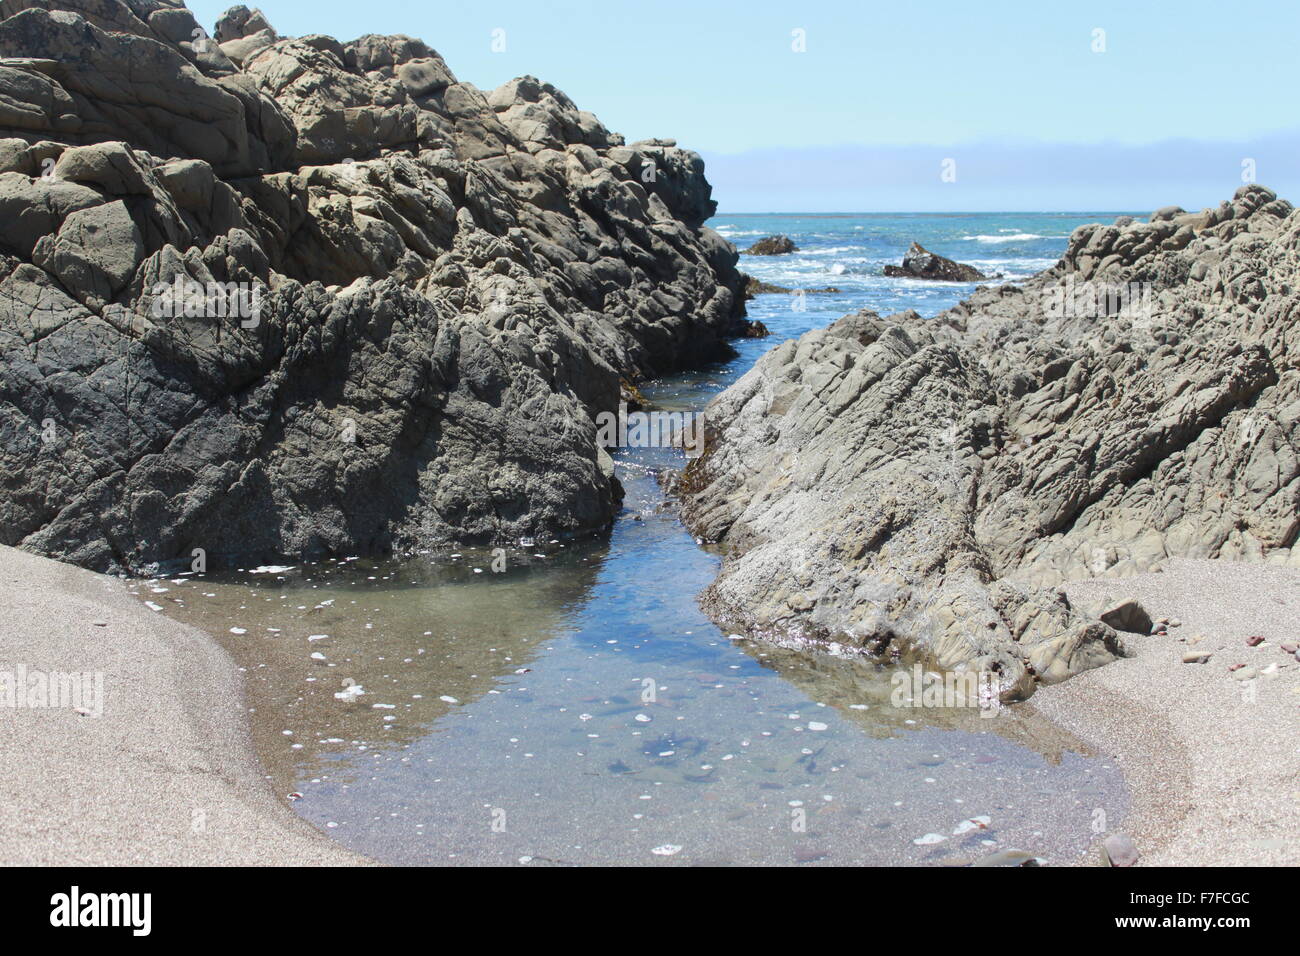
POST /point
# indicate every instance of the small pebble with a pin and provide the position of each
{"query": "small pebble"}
(1118, 850)
(1254, 640)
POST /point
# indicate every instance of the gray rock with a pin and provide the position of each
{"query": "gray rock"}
(324, 302)
(1118, 849)
(126, 85)
(1166, 213)
(94, 253)
(772, 246)
(918, 263)
(239, 22)
(110, 167)
(921, 487)
(1127, 615)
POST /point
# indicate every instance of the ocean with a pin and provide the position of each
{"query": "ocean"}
(850, 250)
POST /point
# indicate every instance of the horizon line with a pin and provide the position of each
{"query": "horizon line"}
(936, 212)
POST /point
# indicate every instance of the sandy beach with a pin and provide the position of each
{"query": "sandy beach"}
(1213, 761)
(166, 773)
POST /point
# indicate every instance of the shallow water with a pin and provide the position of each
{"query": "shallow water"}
(573, 705)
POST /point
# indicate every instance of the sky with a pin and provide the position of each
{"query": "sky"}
(822, 105)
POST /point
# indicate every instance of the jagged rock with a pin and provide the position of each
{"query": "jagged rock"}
(924, 485)
(239, 22)
(318, 297)
(115, 79)
(772, 246)
(918, 263)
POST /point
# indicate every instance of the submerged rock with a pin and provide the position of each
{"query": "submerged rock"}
(918, 263)
(291, 296)
(902, 485)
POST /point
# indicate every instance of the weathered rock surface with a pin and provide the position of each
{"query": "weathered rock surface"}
(923, 485)
(447, 286)
(772, 246)
(918, 263)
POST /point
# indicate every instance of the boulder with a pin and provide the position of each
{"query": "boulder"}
(1118, 850)
(1126, 614)
(918, 263)
(772, 246)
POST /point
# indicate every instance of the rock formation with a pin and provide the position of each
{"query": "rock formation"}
(772, 246)
(755, 287)
(921, 486)
(919, 263)
(275, 295)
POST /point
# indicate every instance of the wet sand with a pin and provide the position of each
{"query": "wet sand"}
(1213, 761)
(166, 774)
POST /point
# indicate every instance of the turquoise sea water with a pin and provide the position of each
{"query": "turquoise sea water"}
(577, 707)
(850, 250)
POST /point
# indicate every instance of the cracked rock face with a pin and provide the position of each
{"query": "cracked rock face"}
(291, 296)
(923, 485)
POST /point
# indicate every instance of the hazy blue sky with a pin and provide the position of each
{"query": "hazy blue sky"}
(1037, 110)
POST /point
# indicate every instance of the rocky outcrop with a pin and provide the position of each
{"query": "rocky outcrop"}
(922, 486)
(918, 263)
(755, 287)
(772, 246)
(269, 295)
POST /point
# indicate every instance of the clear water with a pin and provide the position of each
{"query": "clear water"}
(575, 706)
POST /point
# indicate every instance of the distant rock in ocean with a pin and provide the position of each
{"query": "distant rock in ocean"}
(292, 296)
(755, 287)
(772, 246)
(920, 487)
(919, 263)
